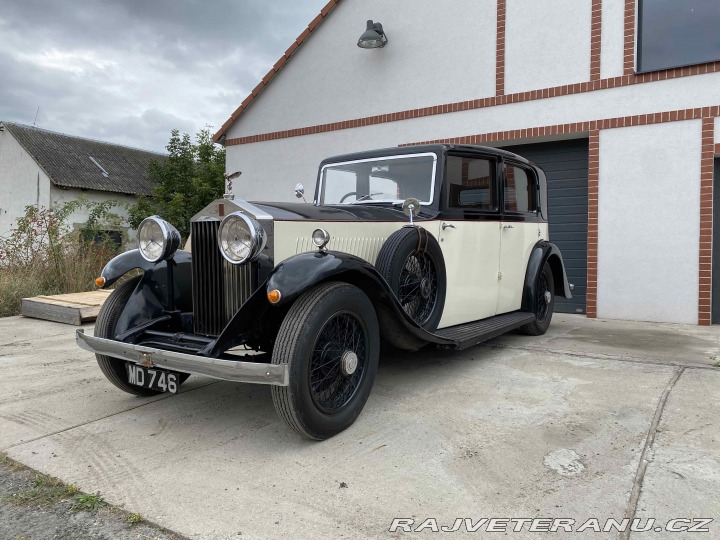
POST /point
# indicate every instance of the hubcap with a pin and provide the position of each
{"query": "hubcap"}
(348, 363)
(548, 297)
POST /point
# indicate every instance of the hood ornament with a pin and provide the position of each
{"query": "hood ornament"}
(411, 208)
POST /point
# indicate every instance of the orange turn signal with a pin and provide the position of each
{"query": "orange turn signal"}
(100, 282)
(274, 296)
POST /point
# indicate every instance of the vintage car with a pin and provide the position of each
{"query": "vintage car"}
(440, 245)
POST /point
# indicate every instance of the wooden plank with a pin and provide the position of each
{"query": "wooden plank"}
(74, 308)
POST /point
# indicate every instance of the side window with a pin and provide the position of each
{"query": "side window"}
(470, 183)
(520, 190)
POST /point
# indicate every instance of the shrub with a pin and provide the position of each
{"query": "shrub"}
(43, 256)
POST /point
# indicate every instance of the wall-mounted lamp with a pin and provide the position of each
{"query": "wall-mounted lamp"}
(374, 37)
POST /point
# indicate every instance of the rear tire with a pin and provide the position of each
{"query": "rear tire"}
(330, 341)
(543, 308)
(114, 368)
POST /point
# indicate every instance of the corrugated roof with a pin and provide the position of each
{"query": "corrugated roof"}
(276, 68)
(74, 162)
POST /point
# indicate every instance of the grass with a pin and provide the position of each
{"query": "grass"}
(43, 491)
(133, 519)
(88, 502)
(74, 271)
(10, 463)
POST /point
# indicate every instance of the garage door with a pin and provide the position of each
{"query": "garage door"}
(566, 165)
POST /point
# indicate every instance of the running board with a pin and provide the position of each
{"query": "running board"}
(469, 334)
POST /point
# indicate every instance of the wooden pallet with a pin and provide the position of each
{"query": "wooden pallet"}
(75, 308)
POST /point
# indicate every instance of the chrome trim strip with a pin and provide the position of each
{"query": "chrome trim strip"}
(227, 370)
(254, 210)
(383, 158)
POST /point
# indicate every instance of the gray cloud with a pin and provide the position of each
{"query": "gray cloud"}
(128, 71)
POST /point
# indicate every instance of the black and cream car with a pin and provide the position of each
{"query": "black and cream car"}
(436, 245)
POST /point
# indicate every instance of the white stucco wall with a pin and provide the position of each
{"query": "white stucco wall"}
(648, 222)
(547, 43)
(717, 130)
(22, 182)
(330, 78)
(270, 169)
(80, 217)
(612, 46)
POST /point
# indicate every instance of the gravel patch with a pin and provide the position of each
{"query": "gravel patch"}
(37, 507)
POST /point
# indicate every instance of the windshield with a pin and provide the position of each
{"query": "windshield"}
(388, 179)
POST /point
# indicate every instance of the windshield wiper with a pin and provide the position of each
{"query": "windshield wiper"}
(364, 197)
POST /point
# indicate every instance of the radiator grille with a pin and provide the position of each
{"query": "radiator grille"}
(219, 288)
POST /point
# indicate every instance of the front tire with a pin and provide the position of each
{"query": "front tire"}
(330, 340)
(114, 368)
(544, 308)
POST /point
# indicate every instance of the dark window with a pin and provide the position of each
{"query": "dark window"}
(470, 183)
(520, 190)
(675, 33)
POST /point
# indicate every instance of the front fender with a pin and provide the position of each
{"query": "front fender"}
(150, 298)
(544, 252)
(299, 273)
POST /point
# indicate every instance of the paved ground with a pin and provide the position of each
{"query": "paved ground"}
(597, 419)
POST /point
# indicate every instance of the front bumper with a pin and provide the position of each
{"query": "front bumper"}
(227, 370)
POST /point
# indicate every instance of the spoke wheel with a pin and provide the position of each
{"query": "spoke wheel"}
(412, 264)
(544, 303)
(418, 287)
(330, 341)
(542, 298)
(338, 362)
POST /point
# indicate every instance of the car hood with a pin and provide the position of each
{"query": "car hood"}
(356, 212)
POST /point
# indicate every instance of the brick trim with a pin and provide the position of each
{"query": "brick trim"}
(595, 39)
(580, 127)
(500, 49)
(592, 247)
(324, 12)
(706, 222)
(717, 149)
(578, 88)
(629, 44)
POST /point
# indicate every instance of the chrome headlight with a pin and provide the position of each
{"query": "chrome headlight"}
(320, 238)
(240, 238)
(157, 239)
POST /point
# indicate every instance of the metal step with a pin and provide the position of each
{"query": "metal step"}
(469, 334)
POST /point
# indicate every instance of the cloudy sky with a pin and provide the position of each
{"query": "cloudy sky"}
(129, 71)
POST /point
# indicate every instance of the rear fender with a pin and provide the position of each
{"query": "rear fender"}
(544, 252)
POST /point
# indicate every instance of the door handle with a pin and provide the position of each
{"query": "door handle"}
(508, 227)
(447, 226)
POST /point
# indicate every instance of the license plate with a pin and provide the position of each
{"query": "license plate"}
(155, 379)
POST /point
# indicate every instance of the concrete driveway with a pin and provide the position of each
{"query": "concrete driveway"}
(597, 419)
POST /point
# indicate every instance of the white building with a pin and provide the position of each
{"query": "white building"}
(43, 168)
(592, 90)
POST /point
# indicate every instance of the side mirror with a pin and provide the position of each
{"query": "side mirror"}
(299, 191)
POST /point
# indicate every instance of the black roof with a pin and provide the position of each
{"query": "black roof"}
(74, 162)
(423, 148)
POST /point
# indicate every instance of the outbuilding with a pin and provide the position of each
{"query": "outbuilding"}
(44, 168)
(618, 101)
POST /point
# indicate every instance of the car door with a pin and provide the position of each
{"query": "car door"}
(520, 231)
(470, 237)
